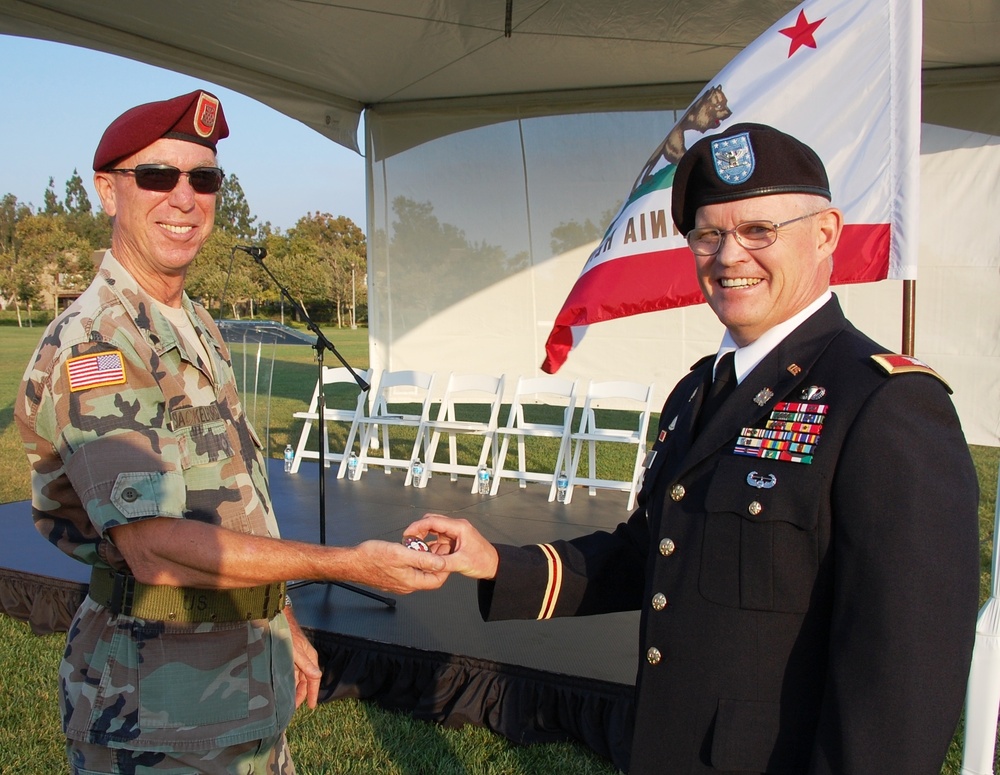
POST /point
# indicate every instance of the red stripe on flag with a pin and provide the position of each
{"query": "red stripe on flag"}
(665, 279)
(862, 255)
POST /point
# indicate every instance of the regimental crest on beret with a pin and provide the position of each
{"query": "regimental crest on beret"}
(733, 158)
(206, 113)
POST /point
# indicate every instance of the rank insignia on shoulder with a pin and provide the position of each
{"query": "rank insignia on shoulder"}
(96, 370)
(892, 364)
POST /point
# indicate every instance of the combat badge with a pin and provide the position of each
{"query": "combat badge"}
(760, 481)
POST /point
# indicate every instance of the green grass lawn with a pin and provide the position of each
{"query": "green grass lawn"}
(345, 736)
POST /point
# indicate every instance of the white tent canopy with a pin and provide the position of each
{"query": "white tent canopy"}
(325, 62)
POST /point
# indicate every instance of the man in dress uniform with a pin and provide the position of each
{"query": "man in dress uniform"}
(185, 655)
(805, 551)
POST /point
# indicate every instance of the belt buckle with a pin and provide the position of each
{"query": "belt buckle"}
(122, 594)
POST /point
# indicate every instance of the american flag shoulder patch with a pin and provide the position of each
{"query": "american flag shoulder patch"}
(96, 370)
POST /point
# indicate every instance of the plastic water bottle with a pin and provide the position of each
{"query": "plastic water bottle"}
(289, 458)
(562, 487)
(416, 472)
(484, 480)
(352, 467)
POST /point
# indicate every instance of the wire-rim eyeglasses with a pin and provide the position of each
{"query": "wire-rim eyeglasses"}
(752, 235)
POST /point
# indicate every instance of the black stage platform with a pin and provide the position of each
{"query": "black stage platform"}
(431, 655)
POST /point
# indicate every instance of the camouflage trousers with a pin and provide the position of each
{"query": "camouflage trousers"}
(258, 757)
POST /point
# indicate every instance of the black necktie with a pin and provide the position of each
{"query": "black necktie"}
(724, 383)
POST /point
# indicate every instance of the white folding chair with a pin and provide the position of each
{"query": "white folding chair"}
(536, 400)
(398, 392)
(467, 397)
(337, 383)
(624, 419)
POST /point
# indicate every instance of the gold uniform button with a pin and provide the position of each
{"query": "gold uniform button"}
(667, 547)
(659, 601)
(755, 508)
(677, 492)
(653, 655)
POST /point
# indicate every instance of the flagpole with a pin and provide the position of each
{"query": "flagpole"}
(909, 314)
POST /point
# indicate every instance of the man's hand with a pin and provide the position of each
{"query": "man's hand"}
(395, 568)
(462, 547)
(307, 669)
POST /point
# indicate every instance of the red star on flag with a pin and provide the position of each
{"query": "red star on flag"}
(802, 33)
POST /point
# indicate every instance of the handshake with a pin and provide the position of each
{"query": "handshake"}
(433, 548)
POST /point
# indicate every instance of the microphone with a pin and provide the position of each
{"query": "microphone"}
(257, 254)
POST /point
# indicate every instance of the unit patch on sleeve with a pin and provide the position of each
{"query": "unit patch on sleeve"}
(97, 370)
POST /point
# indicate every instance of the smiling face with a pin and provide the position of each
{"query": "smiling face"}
(751, 291)
(157, 234)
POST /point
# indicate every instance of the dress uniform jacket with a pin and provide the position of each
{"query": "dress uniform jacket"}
(122, 420)
(808, 611)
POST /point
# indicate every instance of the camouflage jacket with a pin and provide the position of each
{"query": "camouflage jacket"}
(114, 401)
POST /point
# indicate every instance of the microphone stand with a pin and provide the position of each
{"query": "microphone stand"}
(322, 345)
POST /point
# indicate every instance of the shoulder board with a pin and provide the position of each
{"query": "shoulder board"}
(893, 364)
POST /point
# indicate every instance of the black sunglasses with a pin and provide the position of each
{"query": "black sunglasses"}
(162, 177)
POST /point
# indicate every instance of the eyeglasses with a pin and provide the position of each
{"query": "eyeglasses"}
(163, 177)
(752, 235)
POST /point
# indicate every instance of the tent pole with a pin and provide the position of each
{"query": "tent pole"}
(909, 314)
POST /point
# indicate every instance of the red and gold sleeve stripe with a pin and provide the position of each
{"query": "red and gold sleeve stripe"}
(555, 581)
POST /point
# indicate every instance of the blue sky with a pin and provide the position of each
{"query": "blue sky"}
(58, 99)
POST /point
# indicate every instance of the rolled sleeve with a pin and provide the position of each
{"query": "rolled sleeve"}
(121, 478)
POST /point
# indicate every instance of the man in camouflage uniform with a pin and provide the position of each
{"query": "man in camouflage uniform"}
(185, 656)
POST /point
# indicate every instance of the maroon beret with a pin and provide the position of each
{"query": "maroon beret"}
(745, 161)
(196, 117)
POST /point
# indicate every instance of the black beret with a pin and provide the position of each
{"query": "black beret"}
(745, 161)
(196, 117)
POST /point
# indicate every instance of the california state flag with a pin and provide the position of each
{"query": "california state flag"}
(843, 76)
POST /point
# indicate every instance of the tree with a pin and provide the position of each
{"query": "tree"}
(77, 202)
(330, 230)
(52, 204)
(224, 279)
(48, 253)
(339, 247)
(11, 213)
(79, 217)
(232, 212)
